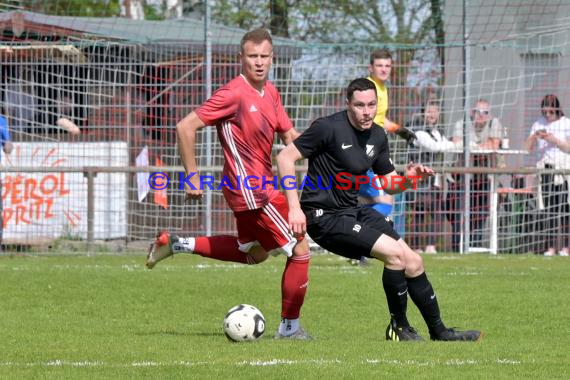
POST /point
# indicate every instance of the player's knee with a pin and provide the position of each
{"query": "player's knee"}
(257, 257)
(414, 265)
(396, 258)
(301, 250)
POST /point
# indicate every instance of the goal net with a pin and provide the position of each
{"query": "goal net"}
(126, 82)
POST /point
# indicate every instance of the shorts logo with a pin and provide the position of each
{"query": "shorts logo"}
(356, 228)
(319, 212)
(345, 146)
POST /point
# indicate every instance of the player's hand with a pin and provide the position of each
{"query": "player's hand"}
(407, 134)
(297, 221)
(419, 170)
(194, 194)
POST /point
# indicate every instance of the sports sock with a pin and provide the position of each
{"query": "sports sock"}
(294, 286)
(288, 326)
(223, 248)
(421, 292)
(396, 289)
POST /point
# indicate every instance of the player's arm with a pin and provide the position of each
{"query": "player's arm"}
(414, 174)
(186, 135)
(288, 136)
(286, 165)
(403, 132)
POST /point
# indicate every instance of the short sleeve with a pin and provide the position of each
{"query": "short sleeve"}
(222, 105)
(496, 129)
(566, 127)
(284, 123)
(314, 139)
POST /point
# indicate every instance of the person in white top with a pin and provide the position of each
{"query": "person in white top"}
(485, 132)
(550, 139)
(427, 207)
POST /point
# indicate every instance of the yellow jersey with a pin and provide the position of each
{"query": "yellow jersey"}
(382, 108)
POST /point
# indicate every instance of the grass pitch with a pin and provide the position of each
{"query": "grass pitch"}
(108, 317)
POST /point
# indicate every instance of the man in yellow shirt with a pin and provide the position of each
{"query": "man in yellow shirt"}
(380, 68)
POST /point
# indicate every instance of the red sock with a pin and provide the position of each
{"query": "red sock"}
(223, 248)
(294, 285)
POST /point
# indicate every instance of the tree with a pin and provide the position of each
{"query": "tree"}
(279, 18)
(87, 8)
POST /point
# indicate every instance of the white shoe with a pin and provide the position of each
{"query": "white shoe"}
(300, 334)
(550, 252)
(159, 250)
(564, 252)
(430, 250)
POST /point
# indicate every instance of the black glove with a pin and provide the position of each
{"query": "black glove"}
(407, 134)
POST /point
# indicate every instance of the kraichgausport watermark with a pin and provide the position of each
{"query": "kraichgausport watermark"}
(341, 181)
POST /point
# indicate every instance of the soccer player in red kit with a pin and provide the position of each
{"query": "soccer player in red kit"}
(247, 113)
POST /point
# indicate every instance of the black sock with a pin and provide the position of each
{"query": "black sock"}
(421, 292)
(396, 289)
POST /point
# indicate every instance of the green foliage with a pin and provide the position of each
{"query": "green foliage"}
(84, 8)
(108, 317)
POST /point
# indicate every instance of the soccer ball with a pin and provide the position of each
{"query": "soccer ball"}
(244, 323)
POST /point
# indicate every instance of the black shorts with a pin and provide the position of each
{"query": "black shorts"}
(350, 233)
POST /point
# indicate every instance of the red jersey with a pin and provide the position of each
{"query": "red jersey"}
(246, 120)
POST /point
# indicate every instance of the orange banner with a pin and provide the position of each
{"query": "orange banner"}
(161, 196)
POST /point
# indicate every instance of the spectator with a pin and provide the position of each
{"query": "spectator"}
(7, 146)
(550, 138)
(427, 200)
(485, 132)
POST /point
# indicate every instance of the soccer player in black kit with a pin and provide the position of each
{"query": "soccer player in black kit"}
(340, 149)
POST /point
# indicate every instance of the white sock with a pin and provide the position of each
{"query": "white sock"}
(288, 326)
(186, 245)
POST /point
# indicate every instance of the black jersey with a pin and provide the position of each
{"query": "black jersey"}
(337, 153)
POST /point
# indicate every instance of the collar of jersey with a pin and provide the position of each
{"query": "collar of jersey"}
(255, 89)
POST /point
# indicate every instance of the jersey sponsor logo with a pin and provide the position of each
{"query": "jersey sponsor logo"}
(345, 146)
(357, 228)
(370, 150)
(252, 108)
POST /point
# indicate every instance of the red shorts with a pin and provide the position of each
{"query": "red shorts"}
(266, 226)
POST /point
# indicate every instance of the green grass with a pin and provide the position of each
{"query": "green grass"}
(108, 317)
